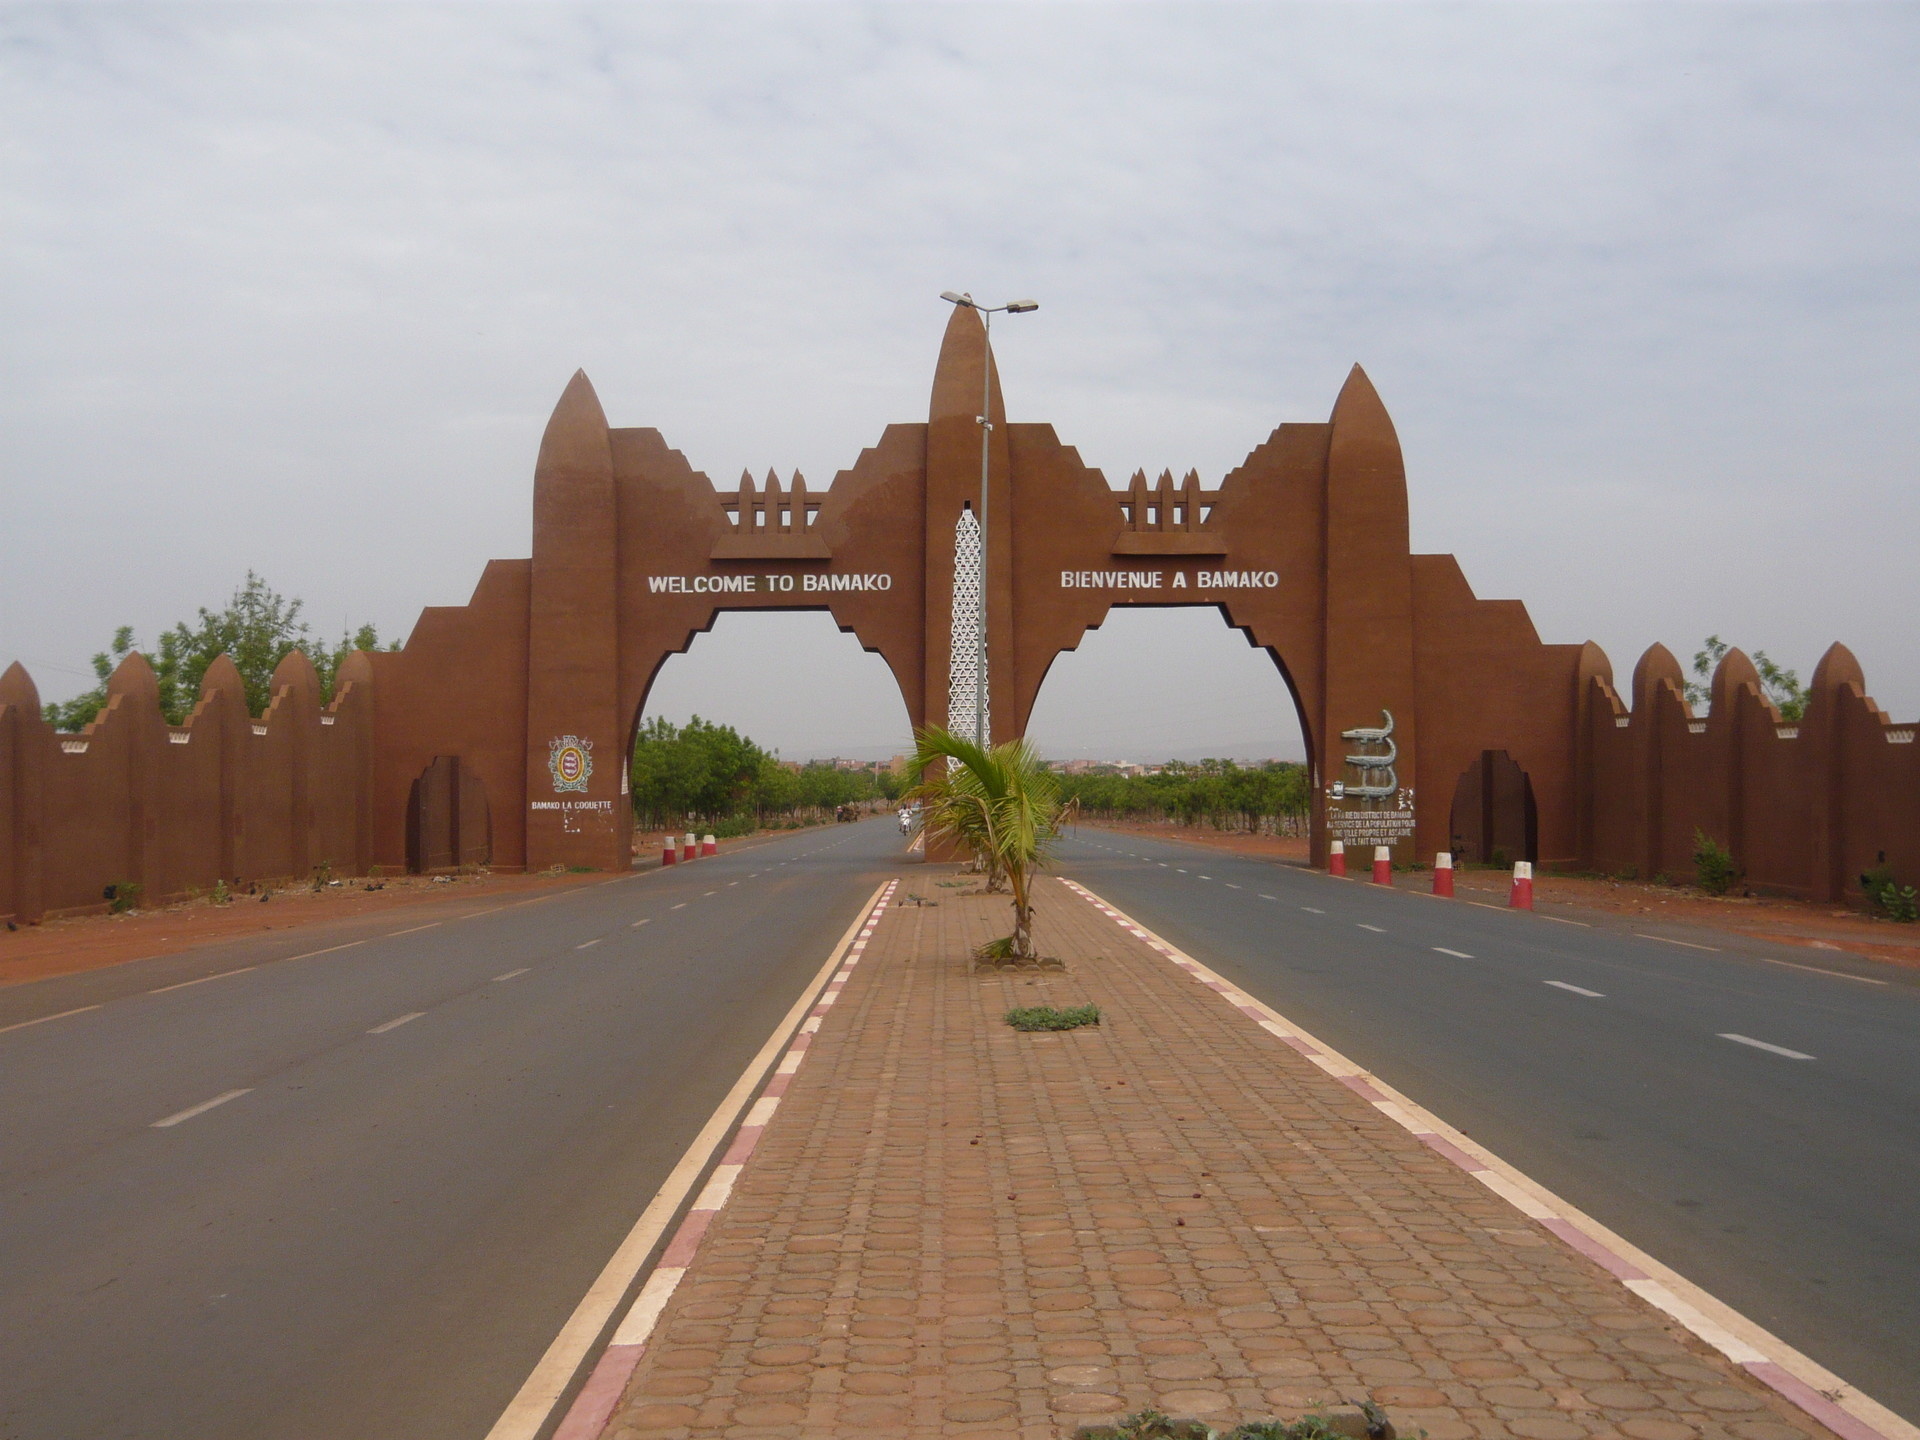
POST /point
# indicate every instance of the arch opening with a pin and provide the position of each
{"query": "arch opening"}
(1154, 685)
(792, 682)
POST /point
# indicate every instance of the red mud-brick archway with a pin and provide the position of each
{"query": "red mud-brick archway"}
(1402, 677)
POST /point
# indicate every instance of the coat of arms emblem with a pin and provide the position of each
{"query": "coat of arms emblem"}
(570, 761)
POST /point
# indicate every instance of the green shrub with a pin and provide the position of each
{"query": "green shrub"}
(122, 896)
(1713, 867)
(1046, 1017)
(1895, 901)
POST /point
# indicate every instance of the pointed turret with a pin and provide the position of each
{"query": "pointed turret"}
(956, 379)
(17, 689)
(1655, 668)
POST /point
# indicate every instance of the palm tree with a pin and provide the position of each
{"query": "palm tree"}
(1002, 805)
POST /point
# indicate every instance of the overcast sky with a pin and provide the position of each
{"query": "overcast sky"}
(294, 288)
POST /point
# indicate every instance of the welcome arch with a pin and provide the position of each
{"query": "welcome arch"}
(1303, 548)
(503, 724)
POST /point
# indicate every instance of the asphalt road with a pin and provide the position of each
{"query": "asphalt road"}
(1603, 1064)
(423, 1146)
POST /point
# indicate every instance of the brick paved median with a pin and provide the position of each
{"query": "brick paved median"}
(955, 1228)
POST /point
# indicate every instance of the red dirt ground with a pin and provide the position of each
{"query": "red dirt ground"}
(1788, 922)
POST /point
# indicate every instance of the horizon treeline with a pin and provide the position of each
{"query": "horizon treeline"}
(1269, 798)
(713, 774)
(256, 629)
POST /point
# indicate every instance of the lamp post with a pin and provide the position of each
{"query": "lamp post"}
(986, 313)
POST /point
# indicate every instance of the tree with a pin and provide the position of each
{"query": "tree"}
(1782, 687)
(1003, 805)
(257, 630)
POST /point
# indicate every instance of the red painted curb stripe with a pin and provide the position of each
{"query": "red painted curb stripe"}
(594, 1406)
(1847, 1426)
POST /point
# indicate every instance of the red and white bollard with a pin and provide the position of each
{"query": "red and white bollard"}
(709, 846)
(691, 849)
(1382, 865)
(1337, 859)
(1443, 874)
(667, 855)
(1522, 896)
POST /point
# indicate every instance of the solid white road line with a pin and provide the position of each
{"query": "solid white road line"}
(1668, 940)
(414, 931)
(1763, 1045)
(1378, 931)
(58, 1015)
(1576, 989)
(1456, 954)
(200, 1109)
(161, 990)
(512, 974)
(587, 944)
(395, 1024)
(527, 1414)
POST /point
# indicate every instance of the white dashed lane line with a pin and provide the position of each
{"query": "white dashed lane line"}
(415, 930)
(681, 906)
(1457, 954)
(1666, 940)
(200, 1109)
(1229, 884)
(638, 923)
(1576, 989)
(512, 974)
(1374, 928)
(1269, 897)
(183, 984)
(1763, 1045)
(395, 1023)
(586, 944)
(1311, 911)
(41, 1020)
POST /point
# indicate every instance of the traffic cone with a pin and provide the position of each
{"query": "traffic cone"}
(1443, 874)
(1522, 896)
(709, 846)
(691, 849)
(1382, 865)
(1337, 859)
(667, 856)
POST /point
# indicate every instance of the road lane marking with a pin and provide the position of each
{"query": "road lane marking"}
(1812, 1388)
(1229, 884)
(1374, 928)
(1763, 1045)
(1311, 911)
(710, 892)
(638, 923)
(588, 944)
(513, 974)
(58, 1015)
(732, 883)
(200, 1109)
(681, 906)
(493, 909)
(1269, 897)
(1576, 989)
(1457, 954)
(181, 985)
(1206, 877)
(528, 1413)
(414, 931)
(328, 951)
(395, 1024)
(1562, 920)
(1817, 970)
(1664, 940)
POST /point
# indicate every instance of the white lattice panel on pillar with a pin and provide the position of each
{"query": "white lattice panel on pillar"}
(964, 675)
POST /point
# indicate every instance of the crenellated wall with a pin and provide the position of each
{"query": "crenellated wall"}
(1805, 807)
(227, 795)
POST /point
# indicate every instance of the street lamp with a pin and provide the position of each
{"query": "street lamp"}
(986, 313)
